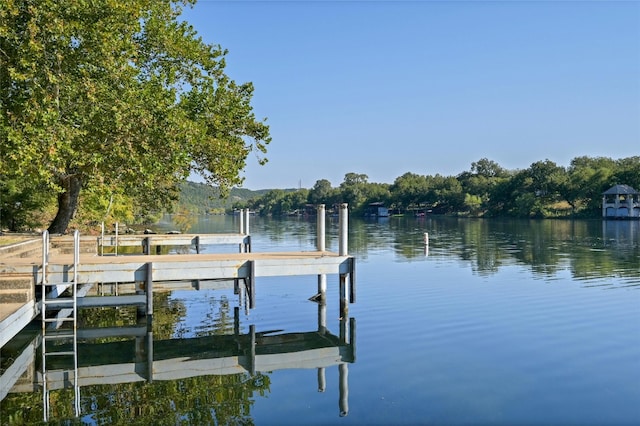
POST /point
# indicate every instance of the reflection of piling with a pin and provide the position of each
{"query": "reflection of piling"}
(252, 349)
(322, 317)
(426, 244)
(352, 338)
(143, 349)
(150, 356)
(322, 381)
(344, 389)
(236, 321)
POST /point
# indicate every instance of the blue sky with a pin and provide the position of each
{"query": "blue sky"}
(388, 87)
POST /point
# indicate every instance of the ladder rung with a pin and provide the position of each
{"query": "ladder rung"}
(58, 319)
(58, 283)
(58, 301)
(61, 353)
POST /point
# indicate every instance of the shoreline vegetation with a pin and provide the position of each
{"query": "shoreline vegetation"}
(544, 190)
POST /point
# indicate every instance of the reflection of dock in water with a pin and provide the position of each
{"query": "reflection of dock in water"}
(143, 358)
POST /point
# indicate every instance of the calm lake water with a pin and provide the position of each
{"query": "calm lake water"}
(495, 322)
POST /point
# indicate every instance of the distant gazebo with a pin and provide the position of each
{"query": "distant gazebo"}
(621, 202)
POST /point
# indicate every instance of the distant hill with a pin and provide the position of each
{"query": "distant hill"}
(200, 198)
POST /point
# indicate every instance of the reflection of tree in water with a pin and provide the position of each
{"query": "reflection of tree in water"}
(225, 399)
(222, 399)
(166, 317)
(192, 401)
(195, 400)
(220, 316)
(589, 248)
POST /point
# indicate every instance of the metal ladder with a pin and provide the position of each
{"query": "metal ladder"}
(66, 308)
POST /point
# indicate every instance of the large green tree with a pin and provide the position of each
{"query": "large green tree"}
(117, 97)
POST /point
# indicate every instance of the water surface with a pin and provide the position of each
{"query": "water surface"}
(494, 322)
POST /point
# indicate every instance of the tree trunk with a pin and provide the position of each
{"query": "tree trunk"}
(67, 204)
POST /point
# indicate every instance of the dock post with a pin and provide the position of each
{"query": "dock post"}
(344, 302)
(320, 231)
(320, 245)
(146, 246)
(343, 238)
(246, 222)
(352, 280)
(322, 317)
(241, 247)
(250, 284)
(322, 288)
(149, 289)
(197, 244)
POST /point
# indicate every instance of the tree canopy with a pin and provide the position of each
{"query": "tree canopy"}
(116, 97)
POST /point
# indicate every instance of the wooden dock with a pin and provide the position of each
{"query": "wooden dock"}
(172, 270)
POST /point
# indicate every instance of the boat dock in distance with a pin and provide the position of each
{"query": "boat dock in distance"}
(61, 283)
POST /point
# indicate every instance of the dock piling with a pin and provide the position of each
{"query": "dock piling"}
(352, 280)
(246, 221)
(320, 231)
(251, 285)
(343, 219)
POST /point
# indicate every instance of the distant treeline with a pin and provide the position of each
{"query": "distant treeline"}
(200, 198)
(543, 190)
